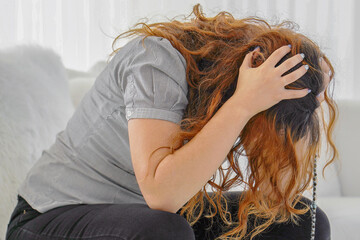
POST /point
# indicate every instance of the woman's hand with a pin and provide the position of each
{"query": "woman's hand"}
(262, 87)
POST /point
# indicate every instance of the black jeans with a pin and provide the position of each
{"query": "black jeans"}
(139, 222)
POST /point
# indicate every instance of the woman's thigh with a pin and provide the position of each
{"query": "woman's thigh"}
(102, 221)
(204, 229)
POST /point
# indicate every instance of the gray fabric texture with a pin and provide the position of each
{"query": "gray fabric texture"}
(90, 160)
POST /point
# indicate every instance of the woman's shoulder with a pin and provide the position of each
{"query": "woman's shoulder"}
(147, 56)
(156, 48)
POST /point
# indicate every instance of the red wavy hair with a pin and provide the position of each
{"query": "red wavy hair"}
(214, 48)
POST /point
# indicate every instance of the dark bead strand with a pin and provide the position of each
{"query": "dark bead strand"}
(313, 205)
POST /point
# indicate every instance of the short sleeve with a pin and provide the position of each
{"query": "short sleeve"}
(155, 84)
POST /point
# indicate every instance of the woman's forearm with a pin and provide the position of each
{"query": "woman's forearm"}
(182, 174)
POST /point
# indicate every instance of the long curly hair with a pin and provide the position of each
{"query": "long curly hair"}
(214, 49)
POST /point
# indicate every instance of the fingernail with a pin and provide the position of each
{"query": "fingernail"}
(302, 55)
(256, 48)
(309, 90)
(318, 95)
(289, 45)
(306, 66)
(320, 59)
(330, 73)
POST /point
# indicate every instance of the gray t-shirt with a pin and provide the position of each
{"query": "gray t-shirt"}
(90, 161)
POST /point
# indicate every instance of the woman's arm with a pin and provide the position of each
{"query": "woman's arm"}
(168, 184)
(180, 175)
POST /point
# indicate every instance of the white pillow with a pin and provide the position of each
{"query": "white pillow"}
(35, 105)
(81, 82)
(347, 135)
(79, 87)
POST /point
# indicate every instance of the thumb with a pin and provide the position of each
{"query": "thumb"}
(247, 60)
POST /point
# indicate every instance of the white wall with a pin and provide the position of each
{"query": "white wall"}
(82, 31)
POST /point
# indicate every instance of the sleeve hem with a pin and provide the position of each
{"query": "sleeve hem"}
(154, 113)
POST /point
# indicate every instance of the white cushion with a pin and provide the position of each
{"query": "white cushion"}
(81, 82)
(343, 214)
(342, 177)
(34, 106)
(79, 87)
(347, 135)
(327, 185)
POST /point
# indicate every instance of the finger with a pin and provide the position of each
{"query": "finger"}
(277, 55)
(326, 73)
(320, 97)
(290, 94)
(247, 60)
(257, 49)
(325, 67)
(290, 63)
(295, 75)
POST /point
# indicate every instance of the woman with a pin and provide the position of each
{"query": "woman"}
(192, 87)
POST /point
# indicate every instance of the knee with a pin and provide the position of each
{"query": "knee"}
(166, 225)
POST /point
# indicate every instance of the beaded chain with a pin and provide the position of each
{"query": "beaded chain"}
(313, 205)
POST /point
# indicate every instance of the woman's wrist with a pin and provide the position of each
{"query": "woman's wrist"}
(241, 106)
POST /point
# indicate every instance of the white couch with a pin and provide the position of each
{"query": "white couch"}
(54, 93)
(339, 192)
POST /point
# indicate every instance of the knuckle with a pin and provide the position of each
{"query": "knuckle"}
(289, 64)
(300, 72)
(302, 93)
(264, 72)
(262, 69)
(277, 72)
(276, 76)
(278, 96)
(296, 75)
(295, 60)
(291, 78)
(281, 97)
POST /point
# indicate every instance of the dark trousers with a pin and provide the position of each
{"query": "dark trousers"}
(139, 222)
